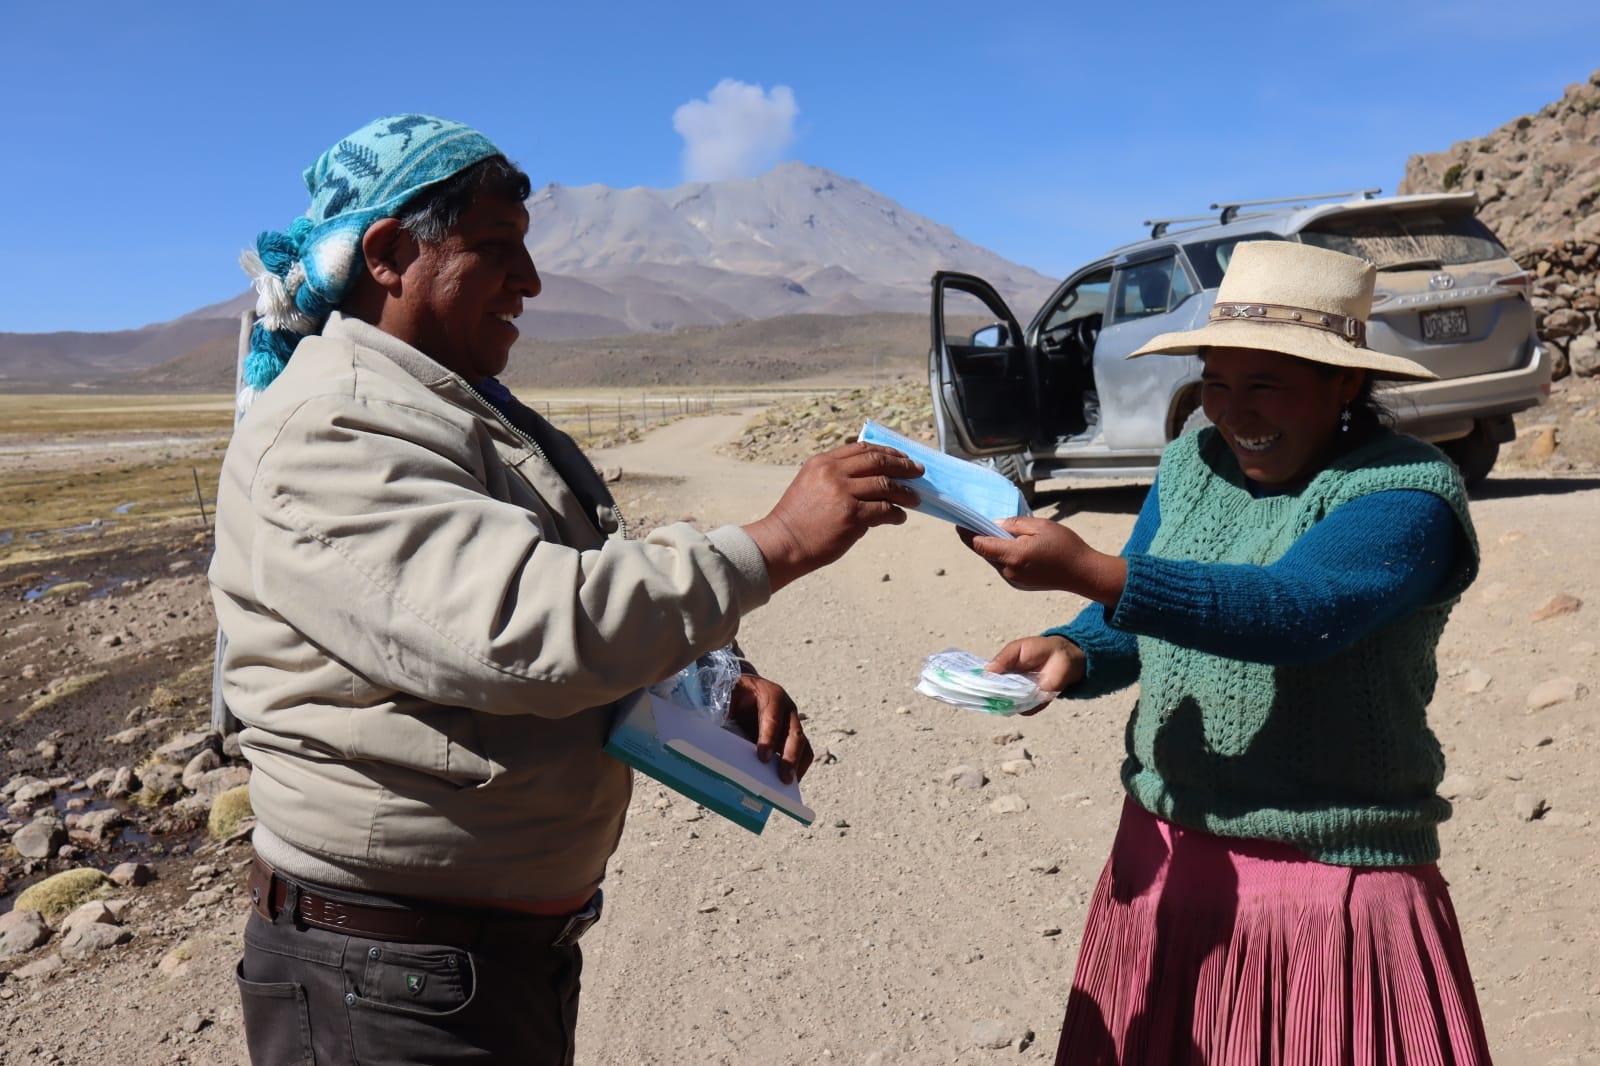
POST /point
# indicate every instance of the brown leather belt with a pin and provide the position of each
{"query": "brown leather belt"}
(272, 894)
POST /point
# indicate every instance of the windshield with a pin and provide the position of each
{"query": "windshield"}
(1421, 239)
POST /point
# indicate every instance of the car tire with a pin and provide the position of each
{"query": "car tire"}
(1012, 467)
(1474, 454)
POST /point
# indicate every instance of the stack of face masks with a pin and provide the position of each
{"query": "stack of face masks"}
(966, 494)
(959, 678)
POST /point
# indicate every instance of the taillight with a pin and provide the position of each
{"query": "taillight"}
(1520, 282)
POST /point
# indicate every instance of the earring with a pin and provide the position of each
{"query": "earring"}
(1344, 419)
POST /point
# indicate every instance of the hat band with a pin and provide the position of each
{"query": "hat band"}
(1350, 328)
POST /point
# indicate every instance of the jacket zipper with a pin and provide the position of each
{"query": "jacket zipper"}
(622, 522)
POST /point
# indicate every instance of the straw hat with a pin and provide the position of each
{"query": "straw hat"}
(1297, 299)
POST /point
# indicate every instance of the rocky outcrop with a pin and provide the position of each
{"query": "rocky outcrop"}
(1538, 185)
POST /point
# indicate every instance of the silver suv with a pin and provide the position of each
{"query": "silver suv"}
(1061, 399)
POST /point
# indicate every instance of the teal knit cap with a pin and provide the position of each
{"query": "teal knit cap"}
(303, 272)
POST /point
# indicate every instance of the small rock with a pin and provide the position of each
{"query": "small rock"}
(195, 1022)
(40, 967)
(1049, 930)
(206, 897)
(185, 746)
(203, 762)
(1011, 804)
(86, 940)
(176, 962)
(1566, 819)
(1460, 786)
(94, 912)
(1001, 1033)
(123, 782)
(213, 783)
(965, 777)
(1527, 807)
(1558, 606)
(95, 826)
(1044, 866)
(1543, 443)
(1556, 690)
(32, 790)
(1017, 767)
(840, 823)
(1002, 739)
(1475, 681)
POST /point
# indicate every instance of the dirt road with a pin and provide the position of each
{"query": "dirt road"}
(923, 922)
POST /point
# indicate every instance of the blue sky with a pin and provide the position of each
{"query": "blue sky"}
(149, 143)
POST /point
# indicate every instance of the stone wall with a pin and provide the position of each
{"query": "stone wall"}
(1566, 302)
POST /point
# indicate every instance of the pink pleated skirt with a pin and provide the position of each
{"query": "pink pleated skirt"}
(1210, 951)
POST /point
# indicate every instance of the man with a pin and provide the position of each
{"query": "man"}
(429, 625)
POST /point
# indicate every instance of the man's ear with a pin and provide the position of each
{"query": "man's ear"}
(387, 249)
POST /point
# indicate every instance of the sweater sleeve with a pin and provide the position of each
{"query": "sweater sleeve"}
(1366, 564)
(1112, 654)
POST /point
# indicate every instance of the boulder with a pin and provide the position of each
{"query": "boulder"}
(21, 930)
(40, 838)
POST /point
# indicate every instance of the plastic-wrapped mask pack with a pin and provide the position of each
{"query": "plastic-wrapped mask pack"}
(959, 678)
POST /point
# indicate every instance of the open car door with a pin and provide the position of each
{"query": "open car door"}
(981, 370)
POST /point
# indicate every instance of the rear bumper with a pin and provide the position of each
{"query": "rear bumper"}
(1445, 410)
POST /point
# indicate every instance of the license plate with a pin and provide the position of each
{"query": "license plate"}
(1444, 324)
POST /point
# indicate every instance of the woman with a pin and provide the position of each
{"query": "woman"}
(1272, 894)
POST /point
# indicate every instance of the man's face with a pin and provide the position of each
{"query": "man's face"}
(459, 296)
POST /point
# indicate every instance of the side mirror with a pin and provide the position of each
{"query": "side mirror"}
(992, 336)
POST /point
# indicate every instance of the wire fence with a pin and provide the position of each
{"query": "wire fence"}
(612, 417)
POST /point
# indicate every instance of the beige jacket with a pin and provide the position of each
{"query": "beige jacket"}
(427, 627)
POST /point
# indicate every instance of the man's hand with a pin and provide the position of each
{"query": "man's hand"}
(1047, 555)
(1057, 662)
(832, 502)
(764, 712)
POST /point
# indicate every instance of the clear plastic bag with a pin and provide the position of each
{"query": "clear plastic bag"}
(958, 677)
(705, 685)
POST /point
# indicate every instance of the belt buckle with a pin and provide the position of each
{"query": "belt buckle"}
(579, 923)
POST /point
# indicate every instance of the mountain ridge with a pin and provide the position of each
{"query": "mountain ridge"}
(799, 240)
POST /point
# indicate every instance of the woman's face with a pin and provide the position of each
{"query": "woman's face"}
(1279, 414)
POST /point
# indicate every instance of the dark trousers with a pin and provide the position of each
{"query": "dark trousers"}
(313, 996)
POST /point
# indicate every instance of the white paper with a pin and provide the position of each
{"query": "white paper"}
(725, 752)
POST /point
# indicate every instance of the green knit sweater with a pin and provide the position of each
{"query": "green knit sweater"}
(1333, 757)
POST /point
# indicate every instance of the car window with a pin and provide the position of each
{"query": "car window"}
(1086, 298)
(1149, 288)
(1421, 238)
(968, 322)
(1210, 258)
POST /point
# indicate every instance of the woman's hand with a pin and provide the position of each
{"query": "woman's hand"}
(1055, 661)
(1048, 555)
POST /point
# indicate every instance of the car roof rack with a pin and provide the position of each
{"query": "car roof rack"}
(1158, 226)
(1230, 211)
